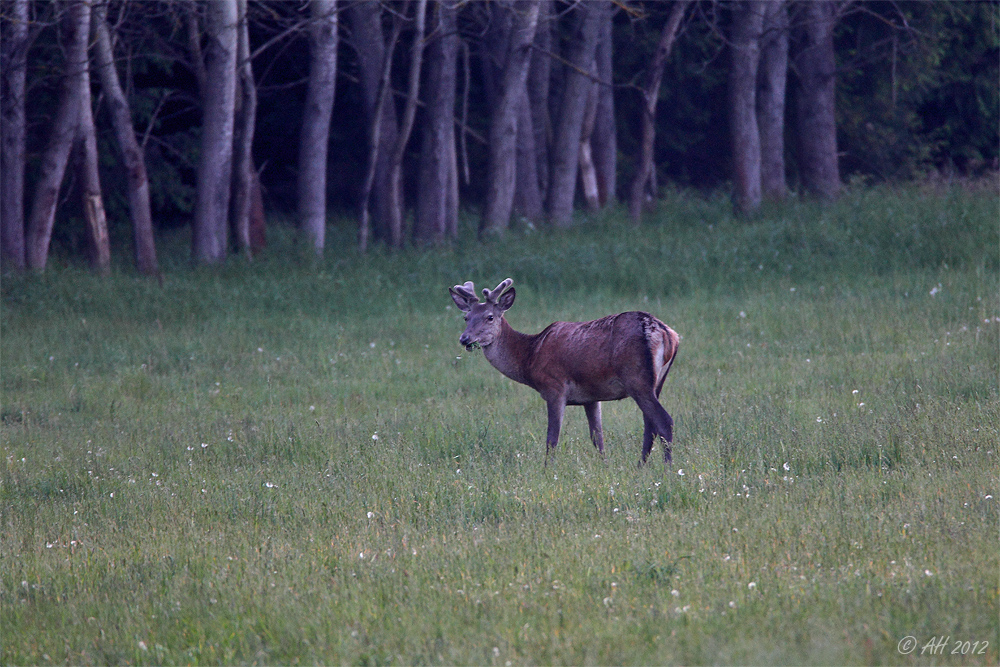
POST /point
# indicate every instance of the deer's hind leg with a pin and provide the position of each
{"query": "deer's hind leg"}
(658, 422)
(593, 411)
(648, 434)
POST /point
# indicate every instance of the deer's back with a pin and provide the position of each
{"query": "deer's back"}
(599, 360)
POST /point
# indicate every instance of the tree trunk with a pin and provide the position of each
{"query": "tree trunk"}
(14, 44)
(315, 136)
(816, 103)
(396, 203)
(463, 147)
(746, 30)
(502, 19)
(566, 150)
(258, 237)
(527, 193)
(502, 163)
(539, 74)
(588, 173)
(90, 181)
(53, 166)
(494, 44)
(244, 174)
(644, 173)
(604, 140)
(132, 157)
(451, 220)
(367, 40)
(194, 46)
(215, 164)
(437, 207)
(772, 76)
(376, 154)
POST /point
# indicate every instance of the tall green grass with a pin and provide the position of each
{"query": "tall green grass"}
(293, 460)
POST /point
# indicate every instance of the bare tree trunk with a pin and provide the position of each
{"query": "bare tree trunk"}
(258, 237)
(566, 150)
(772, 76)
(369, 43)
(604, 140)
(504, 120)
(194, 46)
(437, 208)
(527, 193)
(502, 19)
(816, 103)
(396, 203)
(90, 181)
(132, 157)
(746, 30)
(539, 73)
(464, 122)
(451, 228)
(244, 174)
(494, 44)
(315, 137)
(14, 44)
(588, 172)
(53, 167)
(377, 122)
(644, 172)
(215, 165)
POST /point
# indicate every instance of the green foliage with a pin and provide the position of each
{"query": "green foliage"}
(917, 88)
(916, 91)
(282, 462)
(963, 111)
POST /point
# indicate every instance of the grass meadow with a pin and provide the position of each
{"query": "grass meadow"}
(291, 461)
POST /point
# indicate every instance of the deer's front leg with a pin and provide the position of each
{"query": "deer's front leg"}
(556, 407)
(593, 411)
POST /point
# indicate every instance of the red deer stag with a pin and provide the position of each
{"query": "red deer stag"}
(577, 363)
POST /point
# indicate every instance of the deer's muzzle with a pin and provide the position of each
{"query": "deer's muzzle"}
(467, 341)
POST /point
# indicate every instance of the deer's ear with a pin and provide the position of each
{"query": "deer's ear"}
(507, 299)
(463, 302)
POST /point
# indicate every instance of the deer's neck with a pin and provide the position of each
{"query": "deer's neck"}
(509, 353)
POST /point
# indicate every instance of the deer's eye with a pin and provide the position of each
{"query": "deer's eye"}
(489, 318)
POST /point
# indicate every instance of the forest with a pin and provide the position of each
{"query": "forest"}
(126, 120)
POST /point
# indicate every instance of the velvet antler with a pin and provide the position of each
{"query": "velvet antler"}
(493, 295)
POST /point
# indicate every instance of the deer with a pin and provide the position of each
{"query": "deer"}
(577, 363)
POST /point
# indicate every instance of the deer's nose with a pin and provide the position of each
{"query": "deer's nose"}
(465, 339)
